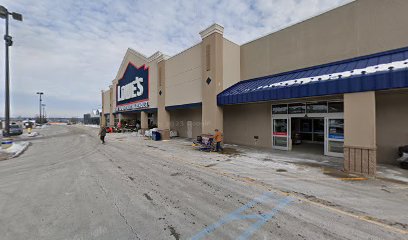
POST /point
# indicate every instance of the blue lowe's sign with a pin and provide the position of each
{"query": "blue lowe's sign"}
(132, 90)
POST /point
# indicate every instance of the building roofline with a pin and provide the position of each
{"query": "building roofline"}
(301, 21)
(159, 56)
(213, 28)
(185, 50)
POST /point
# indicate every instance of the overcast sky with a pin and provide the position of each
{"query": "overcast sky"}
(72, 49)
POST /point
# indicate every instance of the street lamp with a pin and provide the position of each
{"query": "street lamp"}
(40, 93)
(4, 13)
(43, 112)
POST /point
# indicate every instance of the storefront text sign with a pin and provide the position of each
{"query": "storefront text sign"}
(132, 90)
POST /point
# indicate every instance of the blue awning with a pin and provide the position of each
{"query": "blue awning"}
(380, 71)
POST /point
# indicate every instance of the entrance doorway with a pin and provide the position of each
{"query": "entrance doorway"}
(307, 134)
(316, 127)
(280, 133)
(334, 137)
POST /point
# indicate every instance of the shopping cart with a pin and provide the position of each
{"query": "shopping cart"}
(204, 143)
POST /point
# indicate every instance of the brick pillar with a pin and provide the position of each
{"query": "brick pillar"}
(360, 152)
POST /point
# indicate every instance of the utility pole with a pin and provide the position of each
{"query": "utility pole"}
(4, 13)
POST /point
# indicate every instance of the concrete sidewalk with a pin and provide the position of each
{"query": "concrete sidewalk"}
(318, 179)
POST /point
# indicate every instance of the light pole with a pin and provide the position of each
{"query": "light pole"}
(4, 13)
(40, 93)
(43, 112)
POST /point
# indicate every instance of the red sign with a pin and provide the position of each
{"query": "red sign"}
(280, 133)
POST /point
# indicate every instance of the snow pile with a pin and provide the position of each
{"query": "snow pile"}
(392, 172)
(16, 149)
(32, 134)
(91, 125)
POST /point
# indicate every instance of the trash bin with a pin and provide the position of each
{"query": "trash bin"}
(156, 136)
(6, 143)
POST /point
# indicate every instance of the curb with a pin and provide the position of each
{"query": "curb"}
(20, 152)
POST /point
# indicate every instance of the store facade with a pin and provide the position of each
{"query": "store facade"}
(335, 84)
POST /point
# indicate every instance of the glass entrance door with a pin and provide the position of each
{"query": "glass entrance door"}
(334, 137)
(280, 133)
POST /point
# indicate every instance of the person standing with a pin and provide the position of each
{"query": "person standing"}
(102, 134)
(218, 139)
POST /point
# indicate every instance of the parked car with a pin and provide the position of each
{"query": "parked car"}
(16, 130)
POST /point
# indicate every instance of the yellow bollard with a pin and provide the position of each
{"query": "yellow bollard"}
(29, 130)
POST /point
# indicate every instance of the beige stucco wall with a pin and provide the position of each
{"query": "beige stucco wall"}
(243, 122)
(183, 77)
(360, 120)
(392, 119)
(113, 96)
(163, 116)
(106, 101)
(359, 28)
(360, 147)
(212, 114)
(231, 63)
(139, 60)
(179, 120)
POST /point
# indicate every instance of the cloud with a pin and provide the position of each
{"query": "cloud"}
(72, 49)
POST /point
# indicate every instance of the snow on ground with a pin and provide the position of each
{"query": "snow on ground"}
(237, 156)
(16, 149)
(91, 126)
(392, 172)
(240, 158)
(32, 134)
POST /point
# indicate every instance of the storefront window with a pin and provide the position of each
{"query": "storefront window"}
(336, 128)
(336, 146)
(280, 132)
(280, 127)
(280, 109)
(280, 141)
(319, 107)
(297, 108)
(336, 107)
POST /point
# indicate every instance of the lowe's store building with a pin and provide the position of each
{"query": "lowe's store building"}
(335, 84)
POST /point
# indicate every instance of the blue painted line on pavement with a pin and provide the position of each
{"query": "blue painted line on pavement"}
(236, 215)
(266, 217)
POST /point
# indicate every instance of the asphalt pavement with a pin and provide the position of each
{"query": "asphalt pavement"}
(68, 185)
